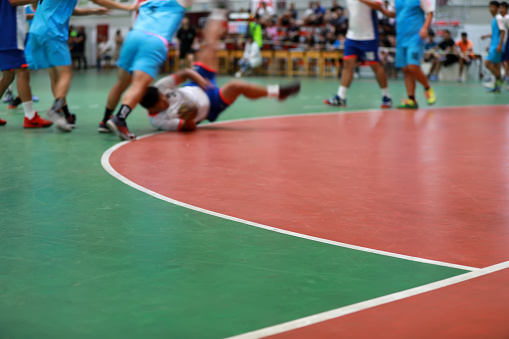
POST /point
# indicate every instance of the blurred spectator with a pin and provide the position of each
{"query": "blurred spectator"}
(336, 6)
(318, 15)
(447, 55)
(119, 40)
(103, 52)
(338, 21)
(293, 12)
(265, 12)
(466, 48)
(308, 14)
(430, 54)
(79, 39)
(271, 31)
(186, 36)
(255, 30)
(252, 57)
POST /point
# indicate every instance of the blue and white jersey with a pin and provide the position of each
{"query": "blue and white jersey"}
(52, 18)
(410, 16)
(362, 21)
(160, 18)
(13, 23)
(497, 26)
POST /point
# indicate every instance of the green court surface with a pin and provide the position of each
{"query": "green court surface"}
(83, 255)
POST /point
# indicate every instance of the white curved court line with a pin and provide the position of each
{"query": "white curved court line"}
(341, 311)
(107, 166)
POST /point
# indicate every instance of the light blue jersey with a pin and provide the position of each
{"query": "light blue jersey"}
(497, 25)
(52, 18)
(160, 18)
(410, 16)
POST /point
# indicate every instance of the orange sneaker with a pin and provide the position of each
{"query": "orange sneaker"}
(2, 122)
(36, 122)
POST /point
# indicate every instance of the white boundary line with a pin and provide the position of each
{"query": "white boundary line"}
(107, 166)
(338, 312)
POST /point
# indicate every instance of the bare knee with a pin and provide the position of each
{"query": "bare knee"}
(407, 71)
(349, 63)
(8, 76)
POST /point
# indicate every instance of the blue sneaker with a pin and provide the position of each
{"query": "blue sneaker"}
(386, 102)
(335, 101)
(35, 99)
(433, 78)
(496, 87)
(8, 97)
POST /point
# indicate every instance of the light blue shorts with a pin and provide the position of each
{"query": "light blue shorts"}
(142, 52)
(494, 56)
(411, 55)
(47, 51)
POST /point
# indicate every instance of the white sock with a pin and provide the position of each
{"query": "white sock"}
(28, 107)
(273, 91)
(385, 92)
(342, 92)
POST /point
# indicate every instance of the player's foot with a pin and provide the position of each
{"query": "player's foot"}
(408, 104)
(2, 122)
(36, 122)
(71, 120)
(103, 128)
(460, 79)
(433, 78)
(286, 90)
(238, 74)
(489, 84)
(335, 101)
(386, 102)
(430, 96)
(8, 96)
(120, 128)
(59, 120)
(497, 86)
(14, 103)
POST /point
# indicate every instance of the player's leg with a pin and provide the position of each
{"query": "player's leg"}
(134, 94)
(123, 81)
(233, 89)
(6, 81)
(32, 119)
(402, 63)
(493, 64)
(351, 53)
(460, 73)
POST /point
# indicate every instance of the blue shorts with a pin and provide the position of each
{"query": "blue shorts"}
(364, 50)
(411, 55)
(494, 56)
(142, 52)
(28, 52)
(505, 53)
(47, 51)
(12, 59)
(217, 102)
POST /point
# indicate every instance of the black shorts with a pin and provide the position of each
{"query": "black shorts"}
(450, 59)
(184, 52)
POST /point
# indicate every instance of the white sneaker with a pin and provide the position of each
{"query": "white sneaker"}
(238, 75)
(59, 120)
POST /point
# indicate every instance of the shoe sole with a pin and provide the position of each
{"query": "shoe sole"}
(103, 130)
(329, 104)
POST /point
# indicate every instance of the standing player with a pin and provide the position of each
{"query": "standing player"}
(496, 48)
(505, 55)
(181, 109)
(186, 36)
(144, 51)
(48, 43)
(362, 44)
(413, 18)
(13, 62)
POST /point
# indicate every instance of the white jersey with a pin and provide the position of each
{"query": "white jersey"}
(362, 21)
(169, 120)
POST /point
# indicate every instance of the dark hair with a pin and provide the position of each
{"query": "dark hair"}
(447, 31)
(495, 3)
(504, 4)
(150, 98)
(463, 33)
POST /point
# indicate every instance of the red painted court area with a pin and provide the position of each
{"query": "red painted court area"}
(431, 183)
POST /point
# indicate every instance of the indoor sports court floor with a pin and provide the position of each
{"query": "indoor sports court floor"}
(312, 224)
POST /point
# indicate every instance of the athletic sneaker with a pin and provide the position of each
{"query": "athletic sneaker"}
(497, 86)
(286, 90)
(8, 97)
(386, 102)
(120, 128)
(2, 122)
(35, 99)
(59, 120)
(489, 84)
(103, 128)
(433, 78)
(14, 103)
(408, 104)
(36, 122)
(71, 120)
(430, 96)
(335, 101)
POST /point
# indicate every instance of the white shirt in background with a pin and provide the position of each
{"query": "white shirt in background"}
(253, 54)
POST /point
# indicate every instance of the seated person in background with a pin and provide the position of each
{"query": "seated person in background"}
(171, 108)
(103, 51)
(252, 57)
(447, 55)
(430, 55)
(318, 16)
(466, 49)
(308, 14)
(266, 13)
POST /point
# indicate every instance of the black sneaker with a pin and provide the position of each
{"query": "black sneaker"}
(71, 120)
(14, 103)
(103, 128)
(286, 90)
(335, 101)
(120, 128)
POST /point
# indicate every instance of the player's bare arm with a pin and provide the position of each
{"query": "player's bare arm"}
(21, 2)
(90, 11)
(379, 7)
(423, 33)
(189, 74)
(115, 5)
(501, 42)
